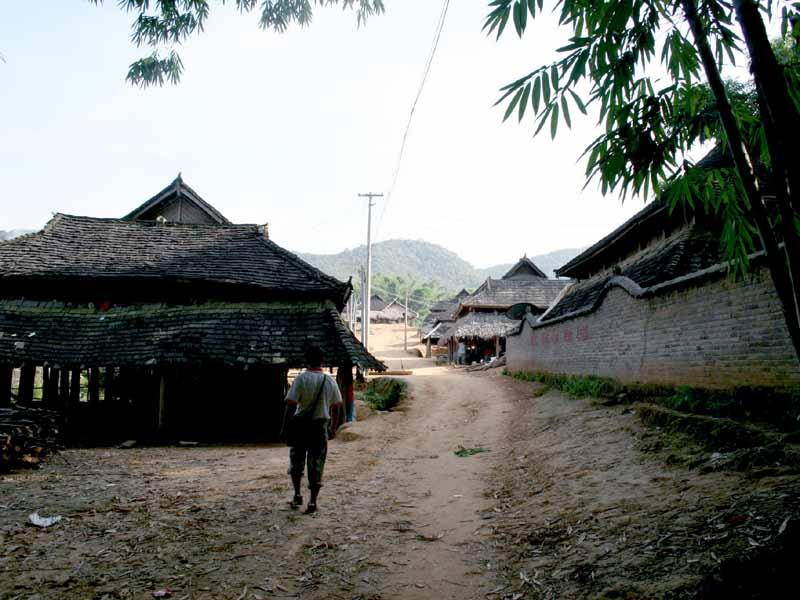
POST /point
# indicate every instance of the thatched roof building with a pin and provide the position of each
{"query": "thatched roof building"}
(480, 319)
(172, 317)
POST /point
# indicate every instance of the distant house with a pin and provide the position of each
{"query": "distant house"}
(393, 311)
(435, 328)
(441, 311)
(652, 303)
(481, 322)
(136, 327)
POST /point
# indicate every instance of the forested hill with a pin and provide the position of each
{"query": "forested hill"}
(10, 235)
(423, 261)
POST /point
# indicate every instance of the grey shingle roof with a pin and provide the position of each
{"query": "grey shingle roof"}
(482, 325)
(176, 189)
(524, 267)
(504, 293)
(90, 249)
(157, 334)
(688, 251)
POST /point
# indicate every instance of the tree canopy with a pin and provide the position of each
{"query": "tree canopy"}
(651, 124)
(163, 25)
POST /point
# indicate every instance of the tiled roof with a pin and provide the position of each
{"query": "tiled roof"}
(655, 218)
(482, 325)
(504, 293)
(524, 267)
(87, 248)
(147, 335)
(177, 189)
(688, 251)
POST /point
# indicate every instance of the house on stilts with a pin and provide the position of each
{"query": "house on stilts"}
(171, 322)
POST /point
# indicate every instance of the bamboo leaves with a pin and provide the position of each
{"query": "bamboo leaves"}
(173, 22)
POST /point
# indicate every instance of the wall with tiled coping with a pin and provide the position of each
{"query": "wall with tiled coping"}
(720, 334)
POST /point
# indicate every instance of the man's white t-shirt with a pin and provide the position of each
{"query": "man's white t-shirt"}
(304, 392)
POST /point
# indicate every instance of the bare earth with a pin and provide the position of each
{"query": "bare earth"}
(564, 504)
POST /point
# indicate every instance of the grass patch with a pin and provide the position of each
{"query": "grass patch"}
(778, 408)
(463, 452)
(384, 393)
(576, 387)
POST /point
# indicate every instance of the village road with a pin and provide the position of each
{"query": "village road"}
(398, 518)
(436, 494)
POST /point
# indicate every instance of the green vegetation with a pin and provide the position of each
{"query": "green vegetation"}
(463, 452)
(779, 408)
(652, 120)
(420, 295)
(418, 260)
(384, 393)
(576, 387)
(167, 24)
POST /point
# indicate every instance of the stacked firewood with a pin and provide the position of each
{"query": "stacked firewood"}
(27, 435)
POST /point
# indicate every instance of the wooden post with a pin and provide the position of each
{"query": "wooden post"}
(6, 372)
(497, 346)
(27, 377)
(94, 385)
(46, 390)
(63, 389)
(428, 348)
(75, 388)
(108, 393)
(161, 417)
(50, 387)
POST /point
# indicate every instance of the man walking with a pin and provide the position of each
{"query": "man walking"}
(313, 406)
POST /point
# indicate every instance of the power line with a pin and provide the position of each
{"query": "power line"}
(412, 299)
(429, 62)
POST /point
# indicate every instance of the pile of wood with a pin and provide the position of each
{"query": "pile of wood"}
(27, 435)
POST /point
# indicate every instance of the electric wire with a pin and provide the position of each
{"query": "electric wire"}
(426, 71)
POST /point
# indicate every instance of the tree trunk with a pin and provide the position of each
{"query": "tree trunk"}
(782, 128)
(778, 267)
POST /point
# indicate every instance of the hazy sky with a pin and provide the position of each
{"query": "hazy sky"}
(289, 128)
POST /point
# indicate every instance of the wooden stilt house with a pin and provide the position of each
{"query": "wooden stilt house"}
(137, 328)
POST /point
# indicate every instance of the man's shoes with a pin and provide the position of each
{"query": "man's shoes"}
(311, 508)
(296, 502)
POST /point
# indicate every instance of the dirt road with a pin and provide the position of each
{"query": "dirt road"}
(570, 500)
(396, 521)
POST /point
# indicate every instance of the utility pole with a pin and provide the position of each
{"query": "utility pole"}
(368, 288)
(405, 318)
(362, 279)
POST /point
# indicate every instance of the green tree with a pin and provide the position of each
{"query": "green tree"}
(162, 25)
(650, 125)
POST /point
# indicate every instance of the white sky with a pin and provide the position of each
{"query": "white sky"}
(289, 128)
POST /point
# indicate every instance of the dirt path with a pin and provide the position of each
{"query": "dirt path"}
(397, 515)
(572, 500)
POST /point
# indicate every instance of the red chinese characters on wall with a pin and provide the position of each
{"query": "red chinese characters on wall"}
(580, 334)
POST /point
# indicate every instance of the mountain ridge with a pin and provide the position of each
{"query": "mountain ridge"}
(419, 260)
(424, 261)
